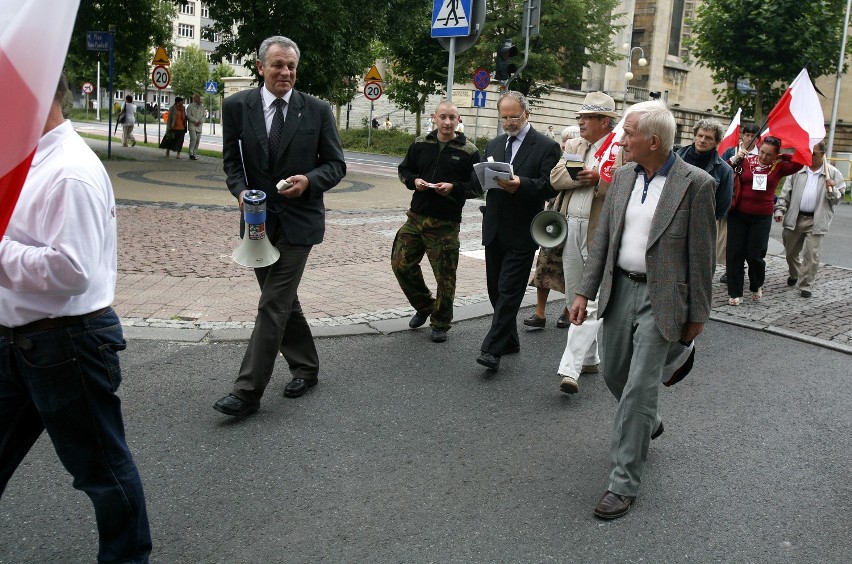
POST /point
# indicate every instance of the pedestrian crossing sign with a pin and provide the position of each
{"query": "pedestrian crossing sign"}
(451, 18)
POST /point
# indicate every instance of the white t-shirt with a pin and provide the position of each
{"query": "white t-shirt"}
(58, 255)
(129, 113)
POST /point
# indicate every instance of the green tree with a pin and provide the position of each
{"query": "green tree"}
(139, 26)
(334, 37)
(765, 43)
(190, 72)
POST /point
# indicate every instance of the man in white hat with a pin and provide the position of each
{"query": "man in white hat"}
(580, 199)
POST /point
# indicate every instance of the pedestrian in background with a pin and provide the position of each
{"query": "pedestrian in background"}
(806, 206)
(129, 111)
(175, 128)
(437, 167)
(60, 338)
(195, 120)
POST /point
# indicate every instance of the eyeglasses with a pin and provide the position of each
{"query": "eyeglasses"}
(512, 119)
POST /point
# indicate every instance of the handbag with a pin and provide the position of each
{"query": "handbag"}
(122, 115)
(738, 189)
(168, 140)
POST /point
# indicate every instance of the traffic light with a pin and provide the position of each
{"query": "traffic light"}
(503, 66)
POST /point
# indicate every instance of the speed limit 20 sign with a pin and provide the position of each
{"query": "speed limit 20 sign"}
(161, 77)
(372, 91)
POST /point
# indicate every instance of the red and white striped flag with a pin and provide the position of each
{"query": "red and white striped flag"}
(732, 135)
(608, 152)
(797, 120)
(34, 37)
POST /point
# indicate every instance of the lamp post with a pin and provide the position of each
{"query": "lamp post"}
(628, 76)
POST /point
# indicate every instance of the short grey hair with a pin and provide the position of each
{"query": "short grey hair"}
(281, 41)
(571, 132)
(710, 125)
(657, 120)
(518, 97)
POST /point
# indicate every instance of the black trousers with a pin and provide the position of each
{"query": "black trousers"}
(280, 324)
(506, 273)
(748, 240)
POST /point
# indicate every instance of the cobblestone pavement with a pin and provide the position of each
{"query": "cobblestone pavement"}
(176, 272)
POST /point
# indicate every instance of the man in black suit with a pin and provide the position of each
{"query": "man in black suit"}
(509, 247)
(274, 133)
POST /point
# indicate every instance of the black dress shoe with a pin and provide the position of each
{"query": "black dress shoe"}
(613, 506)
(724, 279)
(658, 432)
(791, 281)
(805, 293)
(563, 321)
(439, 335)
(192, 158)
(489, 361)
(419, 318)
(236, 407)
(535, 321)
(298, 386)
(512, 349)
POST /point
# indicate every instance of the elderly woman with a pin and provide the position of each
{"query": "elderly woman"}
(548, 273)
(750, 216)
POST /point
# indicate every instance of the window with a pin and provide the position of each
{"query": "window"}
(677, 28)
(177, 53)
(205, 11)
(118, 94)
(186, 30)
(217, 37)
(235, 60)
(188, 9)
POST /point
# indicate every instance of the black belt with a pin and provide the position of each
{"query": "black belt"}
(809, 214)
(635, 276)
(15, 334)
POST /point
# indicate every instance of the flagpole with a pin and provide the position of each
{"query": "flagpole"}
(834, 104)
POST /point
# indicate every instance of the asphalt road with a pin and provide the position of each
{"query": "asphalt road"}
(408, 452)
(837, 245)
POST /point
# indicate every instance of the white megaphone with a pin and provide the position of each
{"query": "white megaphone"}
(255, 251)
(549, 229)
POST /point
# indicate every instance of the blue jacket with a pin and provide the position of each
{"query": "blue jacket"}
(723, 174)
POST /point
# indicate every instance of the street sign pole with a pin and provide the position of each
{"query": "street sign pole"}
(370, 125)
(451, 69)
(111, 71)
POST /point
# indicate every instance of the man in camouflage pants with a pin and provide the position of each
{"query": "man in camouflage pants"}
(438, 168)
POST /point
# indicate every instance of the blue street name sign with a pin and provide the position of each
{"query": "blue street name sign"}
(451, 18)
(211, 87)
(98, 40)
(479, 99)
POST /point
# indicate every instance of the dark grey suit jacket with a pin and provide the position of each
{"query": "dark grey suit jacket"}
(508, 216)
(681, 247)
(310, 146)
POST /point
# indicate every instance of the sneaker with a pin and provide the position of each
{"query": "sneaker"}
(439, 335)
(805, 293)
(569, 385)
(792, 281)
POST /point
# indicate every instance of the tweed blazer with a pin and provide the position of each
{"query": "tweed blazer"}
(565, 186)
(508, 216)
(310, 146)
(681, 247)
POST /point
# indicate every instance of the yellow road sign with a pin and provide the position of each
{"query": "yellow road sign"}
(373, 75)
(160, 57)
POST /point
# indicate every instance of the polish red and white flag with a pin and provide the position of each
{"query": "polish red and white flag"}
(608, 152)
(34, 38)
(732, 135)
(797, 119)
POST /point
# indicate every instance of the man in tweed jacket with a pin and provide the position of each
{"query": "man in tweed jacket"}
(651, 266)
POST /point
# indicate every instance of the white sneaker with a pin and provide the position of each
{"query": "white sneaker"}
(569, 385)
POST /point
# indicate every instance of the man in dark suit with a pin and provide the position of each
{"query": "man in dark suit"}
(509, 247)
(272, 134)
(651, 266)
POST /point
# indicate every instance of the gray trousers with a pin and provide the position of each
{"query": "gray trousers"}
(280, 324)
(634, 354)
(802, 248)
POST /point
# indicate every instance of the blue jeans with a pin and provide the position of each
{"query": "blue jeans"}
(66, 383)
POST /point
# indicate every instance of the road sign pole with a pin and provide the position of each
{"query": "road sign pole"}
(370, 125)
(476, 125)
(98, 95)
(451, 69)
(111, 70)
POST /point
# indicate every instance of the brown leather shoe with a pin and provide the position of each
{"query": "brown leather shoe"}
(535, 321)
(613, 506)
